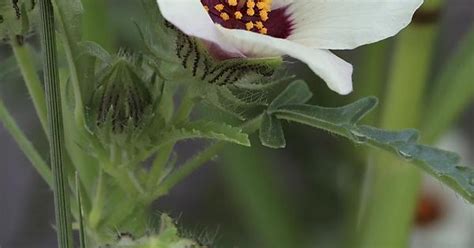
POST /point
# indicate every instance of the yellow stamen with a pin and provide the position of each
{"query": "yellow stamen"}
(250, 4)
(250, 12)
(249, 25)
(225, 16)
(206, 8)
(232, 2)
(219, 7)
(261, 5)
(264, 15)
(238, 15)
(259, 25)
(263, 31)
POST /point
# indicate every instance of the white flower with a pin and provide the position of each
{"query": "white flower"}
(303, 29)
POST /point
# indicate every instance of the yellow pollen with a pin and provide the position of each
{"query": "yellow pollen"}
(225, 16)
(264, 15)
(249, 25)
(232, 2)
(258, 11)
(261, 5)
(219, 7)
(238, 15)
(250, 12)
(250, 4)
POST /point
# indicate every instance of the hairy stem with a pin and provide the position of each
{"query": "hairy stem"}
(198, 160)
(32, 81)
(25, 145)
(55, 124)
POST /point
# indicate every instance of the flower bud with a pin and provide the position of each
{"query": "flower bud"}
(15, 19)
(122, 105)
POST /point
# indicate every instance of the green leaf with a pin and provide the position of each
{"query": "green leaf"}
(69, 19)
(343, 121)
(335, 120)
(443, 165)
(271, 132)
(208, 130)
(297, 92)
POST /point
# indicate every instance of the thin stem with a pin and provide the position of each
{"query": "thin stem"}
(198, 160)
(158, 166)
(70, 47)
(25, 145)
(56, 129)
(32, 81)
(95, 214)
(186, 107)
(82, 233)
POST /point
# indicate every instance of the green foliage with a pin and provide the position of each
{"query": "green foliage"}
(124, 114)
(235, 86)
(17, 19)
(343, 121)
(167, 236)
(209, 130)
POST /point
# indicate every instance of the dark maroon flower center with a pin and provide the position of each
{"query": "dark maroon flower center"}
(252, 15)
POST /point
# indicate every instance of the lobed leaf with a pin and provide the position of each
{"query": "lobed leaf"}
(208, 130)
(343, 121)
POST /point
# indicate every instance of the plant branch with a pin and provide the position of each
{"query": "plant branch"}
(56, 129)
(198, 160)
(25, 145)
(32, 81)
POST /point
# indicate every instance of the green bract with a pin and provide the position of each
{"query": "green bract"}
(16, 19)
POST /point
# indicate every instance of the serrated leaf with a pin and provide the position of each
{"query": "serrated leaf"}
(271, 132)
(441, 164)
(297, 92)
(343, 121)
(208, 130)
(331, 119)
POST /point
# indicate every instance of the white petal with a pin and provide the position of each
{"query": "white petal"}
(347, 24)
(281, 3)
(191, 18)
(334, 71)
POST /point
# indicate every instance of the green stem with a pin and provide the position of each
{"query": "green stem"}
(197, 161)
(32, 81)
(95, 214)
(187, 105)
(56, 129)
(158, 166)
(70, 50)
(25, 145)
(393, 187)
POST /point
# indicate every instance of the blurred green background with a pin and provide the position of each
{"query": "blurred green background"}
(304, 196)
